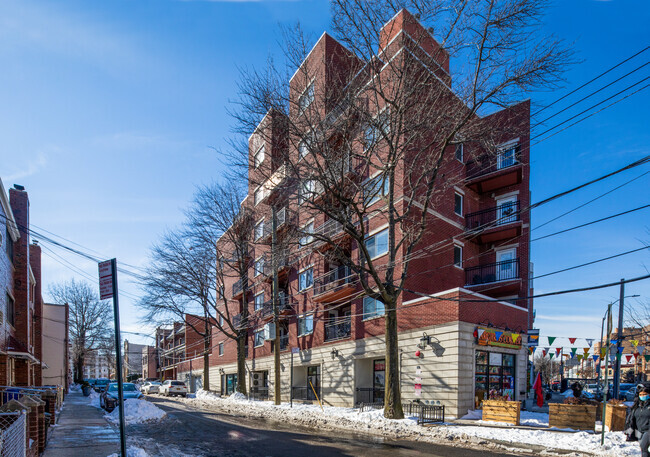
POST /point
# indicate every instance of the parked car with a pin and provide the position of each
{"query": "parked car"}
(101, 384)
(150, 387)
(170, 387)
(109, 398)
(623, 389)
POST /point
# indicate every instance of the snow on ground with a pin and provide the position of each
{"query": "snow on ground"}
(350, 419)
(94, 399)
(137, 412)
(133, 451)
(527, 418)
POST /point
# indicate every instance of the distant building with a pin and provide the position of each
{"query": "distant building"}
(132, 361)
(98, 365)
(56, 355)
(149, 362)
(628, 359)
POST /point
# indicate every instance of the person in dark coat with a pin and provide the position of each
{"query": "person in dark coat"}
(628, 430)
(640, 421)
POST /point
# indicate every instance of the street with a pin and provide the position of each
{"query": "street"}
(209, 433)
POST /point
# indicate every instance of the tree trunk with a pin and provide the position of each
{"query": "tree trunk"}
(206, 366)
(392, 395)
(241, 361)
(79, 370)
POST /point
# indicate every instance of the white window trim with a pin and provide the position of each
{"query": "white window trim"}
(255, 272)
(377, 230)
(457, 245)
(462, 201)
(221, 349)
(462, 152)
(303, 316)
(311, 221)
(373, 234)
(255, 164)
(261, 221)
(459, 190)
(371, 318)
(255, 304)
(255, 345)
(312, 279)
(304, 91)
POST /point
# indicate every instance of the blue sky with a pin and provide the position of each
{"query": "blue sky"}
(111, 113)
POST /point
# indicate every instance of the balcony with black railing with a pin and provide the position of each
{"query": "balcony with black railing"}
(283, 260)
(338, 328)
(506, 270)
(284, 306)
(493, 171)
(495, 224)
(335, 285)
(237, 288)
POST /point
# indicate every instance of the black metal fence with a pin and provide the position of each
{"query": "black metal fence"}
(304, 393)
(489, 163)
(492, 272)
(498, 215)
(363, 407)
(258, 393)
(426, 414)
(369, 395)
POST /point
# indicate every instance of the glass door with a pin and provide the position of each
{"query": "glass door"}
(378, 380)
(506, 267)
(313, 378)
(506, 210)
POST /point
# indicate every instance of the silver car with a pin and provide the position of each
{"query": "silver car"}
(170, 387)
(150, 387)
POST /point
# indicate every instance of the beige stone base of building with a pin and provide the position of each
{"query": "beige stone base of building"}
(344, 369)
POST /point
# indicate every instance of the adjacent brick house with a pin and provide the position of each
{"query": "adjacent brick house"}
(462, 330)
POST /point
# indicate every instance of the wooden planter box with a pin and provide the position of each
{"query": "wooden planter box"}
(615, 418)
(577, 417)
(501, 411)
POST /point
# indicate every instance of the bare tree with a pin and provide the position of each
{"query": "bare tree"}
(547, 367)
(89, 317)
(363, 129)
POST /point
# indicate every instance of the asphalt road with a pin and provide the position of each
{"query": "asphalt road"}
(211, 434)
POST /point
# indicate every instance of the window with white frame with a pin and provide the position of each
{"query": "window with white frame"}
(459, 152)
(305, 324)
(259, 195)
(307, 234)
(458, 256)
(375, 188)
(372, 308)
(221, 320)
(303, 149)
(259, 301)
(258, 158)
(259, 230)
(306, 190)
(258, 338)
(377, 244)
(306, 279)
(258, 266)
(220, 349)
(458, 203)
(306, 97)
(377, 128)
(507, 157)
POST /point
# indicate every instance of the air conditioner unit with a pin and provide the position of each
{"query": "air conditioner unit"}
(269, 331)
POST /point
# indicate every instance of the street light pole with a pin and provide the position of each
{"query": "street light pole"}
(619, 338)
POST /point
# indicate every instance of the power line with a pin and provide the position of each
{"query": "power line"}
(592, 80)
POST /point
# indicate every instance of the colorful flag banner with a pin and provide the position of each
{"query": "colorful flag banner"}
(640, 350)
(647, 357)
(585, 350)
(579, 357)
(572, 340)
(515, 336)
(550, 356)
(544, 353)
(573, 352)
(590, 341)
(603, 351)
(613, 341)
(557, 351)
(551, 339)
(595, 357)
(635, 343)
(628, 358)
(620, 350)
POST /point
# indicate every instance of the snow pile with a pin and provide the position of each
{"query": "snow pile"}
(94, 399)
(74, 388)
(528, 418)
(133, 451)
(237, 396)
(333, 418)
(137, 412)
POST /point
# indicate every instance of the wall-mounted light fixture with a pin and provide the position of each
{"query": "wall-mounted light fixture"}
(424, 341)
(221, 371)
(334, 353)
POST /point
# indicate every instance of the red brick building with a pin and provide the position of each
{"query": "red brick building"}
(461, 330)
(20, 274)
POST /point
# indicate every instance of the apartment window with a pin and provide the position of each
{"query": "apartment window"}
(259, 195)
(259, 301)
(220, 349)
(507, 157)
(11, 310)
(258, 338)
(306, 190)
(258, 266)
(372, 308)
(258, 158)
(10, 246)
(375, 188)
(377, 244)
(306, 97)
(306, 279)
(305, 324)
(458, 204)
(458, 256)
(380, 126)
(259, 230)
(459, 152)
(303, 150)
(307, 236)
(221, 320)
(222, 291)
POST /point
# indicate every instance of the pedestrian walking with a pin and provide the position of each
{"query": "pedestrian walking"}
(640, 420)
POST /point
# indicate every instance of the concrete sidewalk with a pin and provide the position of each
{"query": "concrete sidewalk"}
(81, 431)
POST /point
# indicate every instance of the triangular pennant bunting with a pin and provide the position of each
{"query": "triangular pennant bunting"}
(480, 332)
(550, 356)
(550, 340)
(628, 358)
(514, 336)
(572, 340)
(595, 357)
(647, 357)
(579, 356)
(557, 351)
(590, 341)
(603, 351)
(573, 352)
(620, 350)
(498, 335)
(585, 350)
(635, 343)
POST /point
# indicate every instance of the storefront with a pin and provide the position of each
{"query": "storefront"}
(495, 373)
(228, 383)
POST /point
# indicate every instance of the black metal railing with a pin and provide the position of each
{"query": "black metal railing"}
(329, 228)
(304, 393)
(238, 287)
(333, 280)
(493, 272)
(338, 328)
(498, 215)
(363, 407)
(284, 304)
(369, 395)
(283, 259)
(489, 163)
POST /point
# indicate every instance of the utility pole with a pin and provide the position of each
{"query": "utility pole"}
(276, 343)
(619, 342)
(609, 331)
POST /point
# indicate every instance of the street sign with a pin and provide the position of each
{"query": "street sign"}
(533, 337)
(105, 280)
(295, 350)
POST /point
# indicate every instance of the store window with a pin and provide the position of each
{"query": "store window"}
(228, 383)
(378, 380)
(495, 375)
